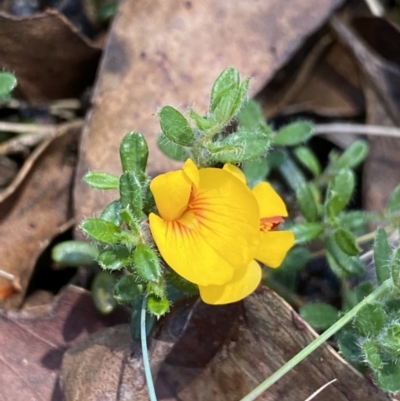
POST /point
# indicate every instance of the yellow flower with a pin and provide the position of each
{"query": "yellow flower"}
(273, 247)
(209, 230)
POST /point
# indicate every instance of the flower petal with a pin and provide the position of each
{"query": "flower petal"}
(274, 246)
(229, 216)
(235, 171)
(270, 203)
(218, 233)
(192, 172)
(244, 282)
(171, 192)
(187, 251)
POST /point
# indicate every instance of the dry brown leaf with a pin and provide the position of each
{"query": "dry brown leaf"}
(382, 87)
(161, 53)
(320, 85)
(32, 344)
(49, 57)
(40, 204)
(214, 353)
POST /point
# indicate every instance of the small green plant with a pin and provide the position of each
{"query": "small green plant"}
(157, 241)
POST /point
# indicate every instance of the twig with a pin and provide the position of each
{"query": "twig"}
(346, 128)
(375, 7)
(25, 128)
(7, 275)
(320, 389)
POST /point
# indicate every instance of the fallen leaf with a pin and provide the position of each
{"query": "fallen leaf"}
(38, 207)
(213, 353)
(32, 343)
(319, 85)
(382, 87)
(49, 57)
(169, 53)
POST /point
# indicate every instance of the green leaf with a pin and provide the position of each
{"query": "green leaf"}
(305, 232)
(340, 192)
(395, 268)
(255, 171)
(306, 201)
(362, 290)
(347, 242)
(346, 264)
(382, 255)
(74, 253)
(319, 315)
(157, 306)
(251, 118)
(353, 155)
(99, 180)
(289, 170)
(7, 83)
(239, 146)
(127, 289)
(131, 193)
(133, 222)
(390, 340)
(294, 133)
(388, 377)
(349, 347)
(147, 263)
(355, 218)
(241, 97)
(202, 123)
(372, 355)
(102, 292)
(227, 97)
(226, 87)
(114, 258)
(112, 213)
(394, 200)
(101, 230)
(134, 152)
(308, 159)
(175, 126)
(370, 320)
(171, 149)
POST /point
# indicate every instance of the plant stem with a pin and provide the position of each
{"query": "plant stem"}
(146, 361)
(384, 287)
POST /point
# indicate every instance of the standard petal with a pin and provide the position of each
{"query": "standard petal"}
(244, 282)
(235, 171)
(270, 203)
(171, 192)
(187, 252)
(192, 172)
(274, 246)
(229, 216)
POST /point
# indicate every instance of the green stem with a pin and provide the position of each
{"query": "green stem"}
(146, 360)
(384, 287)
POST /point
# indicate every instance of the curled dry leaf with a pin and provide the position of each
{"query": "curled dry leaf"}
(320, 85)
(36, 206)
(49, 57)
(213, 353)
(372, 43)
(161, 53)
(32, 343)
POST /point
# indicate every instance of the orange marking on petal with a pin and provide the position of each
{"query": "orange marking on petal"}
(270, 223)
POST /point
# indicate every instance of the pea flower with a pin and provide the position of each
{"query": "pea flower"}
(209, 229)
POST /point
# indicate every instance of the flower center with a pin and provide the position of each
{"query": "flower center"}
(270, 223)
